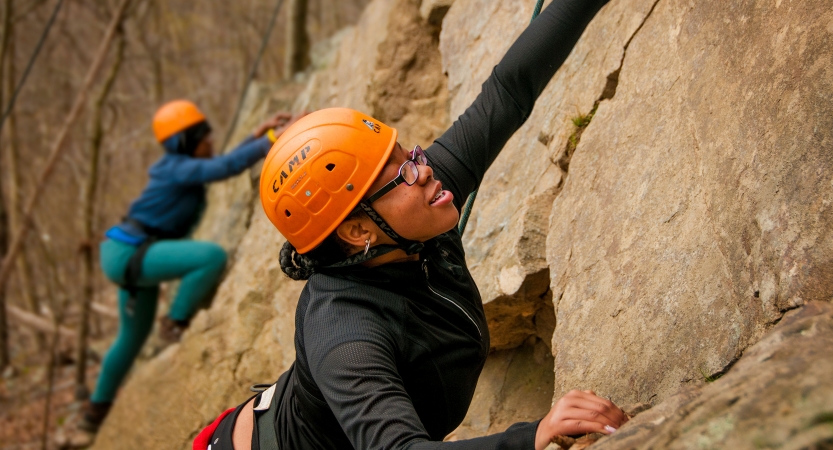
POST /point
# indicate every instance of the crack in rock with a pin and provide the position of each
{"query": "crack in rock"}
(608, 92)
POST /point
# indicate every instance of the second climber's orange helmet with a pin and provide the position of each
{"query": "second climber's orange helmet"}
(318, 171)
(175, 116)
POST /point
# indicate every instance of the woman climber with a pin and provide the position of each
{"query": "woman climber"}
(149, 246)
(390, 332)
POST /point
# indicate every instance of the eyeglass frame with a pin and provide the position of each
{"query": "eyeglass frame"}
(418, 158)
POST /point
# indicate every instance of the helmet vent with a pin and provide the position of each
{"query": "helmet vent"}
(331, 166)
(287, 213)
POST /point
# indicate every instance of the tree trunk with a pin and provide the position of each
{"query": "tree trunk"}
(96, 137)
(4, 216)
(4, 324)
(58, 146)
(297, 39)
(24, 270)
(59, 299)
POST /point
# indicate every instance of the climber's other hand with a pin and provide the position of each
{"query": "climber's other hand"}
(292, 119)
(578, 412)
(277, 120)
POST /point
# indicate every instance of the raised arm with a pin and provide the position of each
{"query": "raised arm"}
(201, 171)
(462, 154)
(250, 151)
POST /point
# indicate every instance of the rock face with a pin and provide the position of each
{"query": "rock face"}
(778, 395)
(507, 233)
(697, 207)
(388, 66)
(229, 204)
(663, 207)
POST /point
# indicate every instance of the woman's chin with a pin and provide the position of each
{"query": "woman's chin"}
(451, 221)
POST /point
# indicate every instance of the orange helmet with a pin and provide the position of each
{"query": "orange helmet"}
(174, 117)
(318, 171)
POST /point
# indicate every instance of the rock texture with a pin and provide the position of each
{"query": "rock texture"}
(697, 207)
(515, 386)
(507, 233)
(389, 66)
(778, 395)
(229, 204)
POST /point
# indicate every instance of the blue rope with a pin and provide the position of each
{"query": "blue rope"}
(464, 216)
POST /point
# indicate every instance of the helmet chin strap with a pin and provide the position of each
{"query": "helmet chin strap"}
(410, 247)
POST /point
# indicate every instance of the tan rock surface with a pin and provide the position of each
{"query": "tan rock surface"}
(229, 203)
(515, 386)
(778, 395)
(697, 208)
(506, 235)
(388, 66)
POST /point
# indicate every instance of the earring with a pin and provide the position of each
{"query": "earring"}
(366, 246)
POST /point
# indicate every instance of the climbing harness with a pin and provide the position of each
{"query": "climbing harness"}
(251, 76)
(133, 270)
(266, 410)
(466, 212)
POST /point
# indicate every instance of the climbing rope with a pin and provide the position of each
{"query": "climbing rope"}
(31, 62)
(537, 10)
(464, 215)
(252, 73)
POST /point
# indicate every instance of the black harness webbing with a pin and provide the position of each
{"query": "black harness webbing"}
(267, 438)
(133, 271)
(263, 431)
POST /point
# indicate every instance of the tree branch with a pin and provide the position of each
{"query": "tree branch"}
(58, 146)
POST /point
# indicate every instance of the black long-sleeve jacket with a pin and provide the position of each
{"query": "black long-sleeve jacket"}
(388, 357)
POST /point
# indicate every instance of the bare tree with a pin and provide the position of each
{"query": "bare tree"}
(59, 299)
(4, 216)
(89, 196)
(56, 150)
(297, 39)
(4, 325)
(24, 270)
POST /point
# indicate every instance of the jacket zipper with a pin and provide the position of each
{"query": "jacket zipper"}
(425, 269)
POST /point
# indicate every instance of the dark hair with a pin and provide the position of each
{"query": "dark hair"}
(301, 266)
(186, 141)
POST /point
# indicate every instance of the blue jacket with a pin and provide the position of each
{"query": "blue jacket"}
(174, 198)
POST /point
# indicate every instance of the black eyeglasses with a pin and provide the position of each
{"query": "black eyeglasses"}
(408, 174)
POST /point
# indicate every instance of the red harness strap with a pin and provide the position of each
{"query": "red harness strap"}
(203, 439)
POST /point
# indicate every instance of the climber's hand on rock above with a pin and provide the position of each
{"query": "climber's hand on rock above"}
(579, 412)
(280, 129)
(280, 122)
(277, 120)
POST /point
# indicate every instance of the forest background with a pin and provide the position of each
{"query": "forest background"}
(161, 50)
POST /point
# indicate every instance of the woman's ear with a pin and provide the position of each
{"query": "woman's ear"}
(356, 232)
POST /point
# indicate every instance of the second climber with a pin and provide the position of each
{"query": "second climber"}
(150, 245)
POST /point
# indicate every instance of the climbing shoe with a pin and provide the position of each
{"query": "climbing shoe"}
(94, 415)
(171, 330)
(80, 429)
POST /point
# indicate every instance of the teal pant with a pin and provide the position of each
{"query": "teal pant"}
(198, 264)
